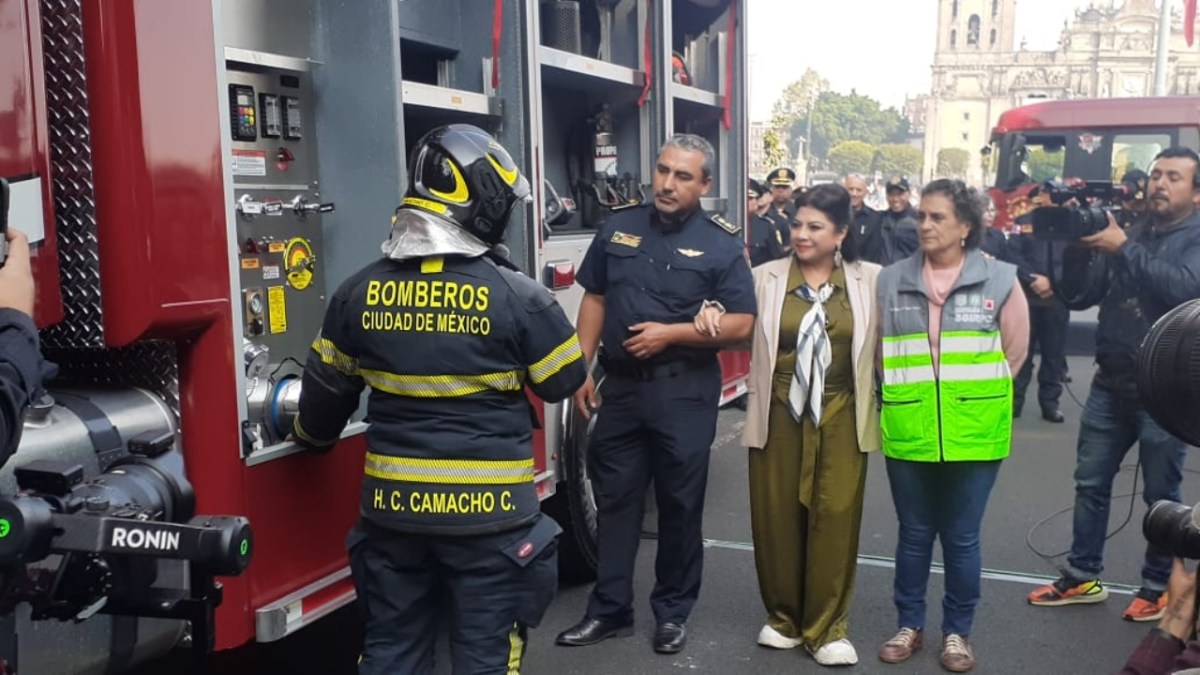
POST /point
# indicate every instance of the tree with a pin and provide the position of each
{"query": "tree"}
(952, 162)
(851, 157)
(775, 152)
(850, 117)
(795, 101)
(899, 159)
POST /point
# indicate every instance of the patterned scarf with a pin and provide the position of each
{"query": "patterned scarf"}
(812, 355)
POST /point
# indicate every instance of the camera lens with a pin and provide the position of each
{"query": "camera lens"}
(1168, 526)
(146, 484)
(1169, 372)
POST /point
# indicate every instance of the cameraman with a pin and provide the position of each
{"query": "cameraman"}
(1171, 647)
(20, 359)
(1143, 273)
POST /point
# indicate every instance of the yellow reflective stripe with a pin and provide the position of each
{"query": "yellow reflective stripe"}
(432, 265)
(509, 176)
(516, 649)
(566, 353)
(461, 192)
(442, 386)
(424, 204)
(331, 355)
(304, 435)
(449, 471)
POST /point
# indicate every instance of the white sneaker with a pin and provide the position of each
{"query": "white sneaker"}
(836, 653)
(769, 637)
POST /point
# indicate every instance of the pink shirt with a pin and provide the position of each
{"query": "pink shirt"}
(1014, 315)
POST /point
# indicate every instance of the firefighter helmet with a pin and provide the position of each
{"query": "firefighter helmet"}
(460, 172)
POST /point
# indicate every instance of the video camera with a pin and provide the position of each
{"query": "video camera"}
(1169, 387)
(1081, 208)
(110, 534)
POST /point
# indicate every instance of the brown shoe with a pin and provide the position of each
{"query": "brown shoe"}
(901, 646)
(956, 654)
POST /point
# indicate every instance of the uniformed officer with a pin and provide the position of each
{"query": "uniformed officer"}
(447, 335)
(645, 276)
(766, 243)
(783, 207)
(21, 364)
(896, 236)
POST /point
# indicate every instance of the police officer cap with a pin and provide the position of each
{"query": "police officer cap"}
(1137, 180)
(781, 176)
(897, 183)
(461, 173)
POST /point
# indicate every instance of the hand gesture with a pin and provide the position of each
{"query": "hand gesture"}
(708, 321)
(16, 277)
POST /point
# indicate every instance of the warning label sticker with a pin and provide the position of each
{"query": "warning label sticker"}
(249, 162)
(277, 309)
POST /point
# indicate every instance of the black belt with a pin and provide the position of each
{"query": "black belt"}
(635, 370)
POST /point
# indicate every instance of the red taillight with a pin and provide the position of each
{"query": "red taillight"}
(559, 275)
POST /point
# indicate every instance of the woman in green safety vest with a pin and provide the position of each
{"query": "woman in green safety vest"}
(954, 328)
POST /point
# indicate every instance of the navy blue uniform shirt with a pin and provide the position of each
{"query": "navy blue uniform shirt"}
(21, 372)
(650, 271)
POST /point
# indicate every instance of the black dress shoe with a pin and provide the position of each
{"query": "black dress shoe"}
(592, 631)
(670, 638)
(1055, 416)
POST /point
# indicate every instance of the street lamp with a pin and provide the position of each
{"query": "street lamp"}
(812, 104)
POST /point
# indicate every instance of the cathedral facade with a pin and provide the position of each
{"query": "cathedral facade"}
(1104, 51)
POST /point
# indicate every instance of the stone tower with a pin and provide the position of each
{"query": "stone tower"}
(976, 26)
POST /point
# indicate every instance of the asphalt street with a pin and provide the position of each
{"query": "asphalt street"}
(1009, 637)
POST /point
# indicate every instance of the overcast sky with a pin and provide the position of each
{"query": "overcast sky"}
(882, 48)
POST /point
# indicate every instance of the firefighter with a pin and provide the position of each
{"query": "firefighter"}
(646, 275)
(21, 362)
(447, 335)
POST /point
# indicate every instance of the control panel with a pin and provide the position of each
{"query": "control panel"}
(280, 213)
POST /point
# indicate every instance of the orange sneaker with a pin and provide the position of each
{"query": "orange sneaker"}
(1144, 609)
(1069, 591)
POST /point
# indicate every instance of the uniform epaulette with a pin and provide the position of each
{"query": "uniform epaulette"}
(622, 207)
(720, 221)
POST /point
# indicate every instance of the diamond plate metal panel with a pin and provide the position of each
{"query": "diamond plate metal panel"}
(76, 344)
(71, 158)
(150, 365)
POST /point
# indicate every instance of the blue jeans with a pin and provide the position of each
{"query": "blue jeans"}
(942, 500)
(1109, 427)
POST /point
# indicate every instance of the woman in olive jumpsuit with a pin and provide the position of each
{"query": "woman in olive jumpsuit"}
(807, 475)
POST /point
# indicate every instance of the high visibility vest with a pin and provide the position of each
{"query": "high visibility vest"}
(962, 410)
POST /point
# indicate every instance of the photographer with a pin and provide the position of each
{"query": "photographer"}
(1171, 647)
(20, 359)
(1143, 273)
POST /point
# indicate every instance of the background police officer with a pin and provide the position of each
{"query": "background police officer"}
(21, 364)
(783, 208)
(646, 275)
(766, 242)
(447, 336)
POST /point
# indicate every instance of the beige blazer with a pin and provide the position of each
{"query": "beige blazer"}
(770, 287)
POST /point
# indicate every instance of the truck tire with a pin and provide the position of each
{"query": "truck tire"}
(574, 504)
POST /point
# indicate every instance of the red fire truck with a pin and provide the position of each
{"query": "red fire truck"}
(196, 175)
(1094, 140)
